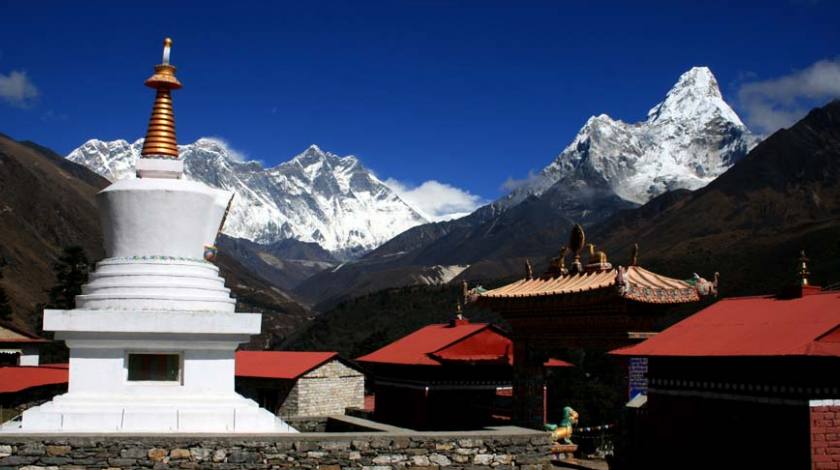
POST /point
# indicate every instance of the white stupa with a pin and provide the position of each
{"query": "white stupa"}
(153, 335)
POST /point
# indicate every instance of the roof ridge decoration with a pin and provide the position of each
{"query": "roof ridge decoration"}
(803, 269)
(577, 239)
(557, 267)
(597, 260)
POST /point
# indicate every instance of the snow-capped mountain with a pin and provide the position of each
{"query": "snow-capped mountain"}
(688, 140)
(316, 196)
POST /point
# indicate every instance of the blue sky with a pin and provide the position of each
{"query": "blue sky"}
(463, 93)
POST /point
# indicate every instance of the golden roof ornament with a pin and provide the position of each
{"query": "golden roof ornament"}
(577, 240)
(557, 266)
(160, 137)
(529, 272)
(803, 269)
(597, 260)
(634, 255)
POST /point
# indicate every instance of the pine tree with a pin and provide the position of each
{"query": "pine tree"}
(71, 272)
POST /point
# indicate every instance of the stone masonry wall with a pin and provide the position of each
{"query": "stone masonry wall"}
(290, 403)
(825, 434)
(516, 450)
(327, 390)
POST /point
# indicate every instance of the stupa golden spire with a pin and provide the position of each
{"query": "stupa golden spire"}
(160, 138)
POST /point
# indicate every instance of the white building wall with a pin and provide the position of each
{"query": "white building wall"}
(30, 355)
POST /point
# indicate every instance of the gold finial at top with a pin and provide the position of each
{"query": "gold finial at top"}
(459, 312)
(803, 269)
(160, 137)
(167, 48)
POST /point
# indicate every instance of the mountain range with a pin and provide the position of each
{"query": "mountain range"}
(315, 197)
(688, 139)
(749, 224)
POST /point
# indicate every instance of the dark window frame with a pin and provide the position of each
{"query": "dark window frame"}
(154, 367)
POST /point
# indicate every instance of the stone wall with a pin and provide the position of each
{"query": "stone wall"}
(289, 406)
(327, 390)
(506, 448)
(825, 434)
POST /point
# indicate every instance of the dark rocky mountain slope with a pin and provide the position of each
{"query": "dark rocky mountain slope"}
(46, 203)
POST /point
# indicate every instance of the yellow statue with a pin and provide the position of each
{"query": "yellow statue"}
(562, 433)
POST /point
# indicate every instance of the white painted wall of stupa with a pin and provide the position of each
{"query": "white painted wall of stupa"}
(153, 293)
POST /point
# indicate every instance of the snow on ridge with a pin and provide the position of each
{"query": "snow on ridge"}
(688, 139)
(439, 274)
(316, 196)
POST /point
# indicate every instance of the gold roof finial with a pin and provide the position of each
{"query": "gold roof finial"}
(557, 266)
(459, 312)
(577, 240)
(634, 256)
(803, 269)
(160, 137)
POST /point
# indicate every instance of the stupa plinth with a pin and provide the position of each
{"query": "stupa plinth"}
(153, 336)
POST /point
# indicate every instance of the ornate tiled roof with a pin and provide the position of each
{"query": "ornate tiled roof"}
(633, 283)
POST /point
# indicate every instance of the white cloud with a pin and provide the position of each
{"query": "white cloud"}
(512, 184)
(437, 201)
(233, 153)
(17, 90)
(779, 102)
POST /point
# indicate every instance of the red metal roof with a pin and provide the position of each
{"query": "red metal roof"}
(752, 326)
(415, 348)
(557, 363)
(279, 364)
(18, 378)
(437, 344)
(487, 345)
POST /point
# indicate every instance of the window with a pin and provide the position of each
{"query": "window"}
(154, 367)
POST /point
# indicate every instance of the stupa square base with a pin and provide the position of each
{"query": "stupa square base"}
(66, 414)
(169, 371)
